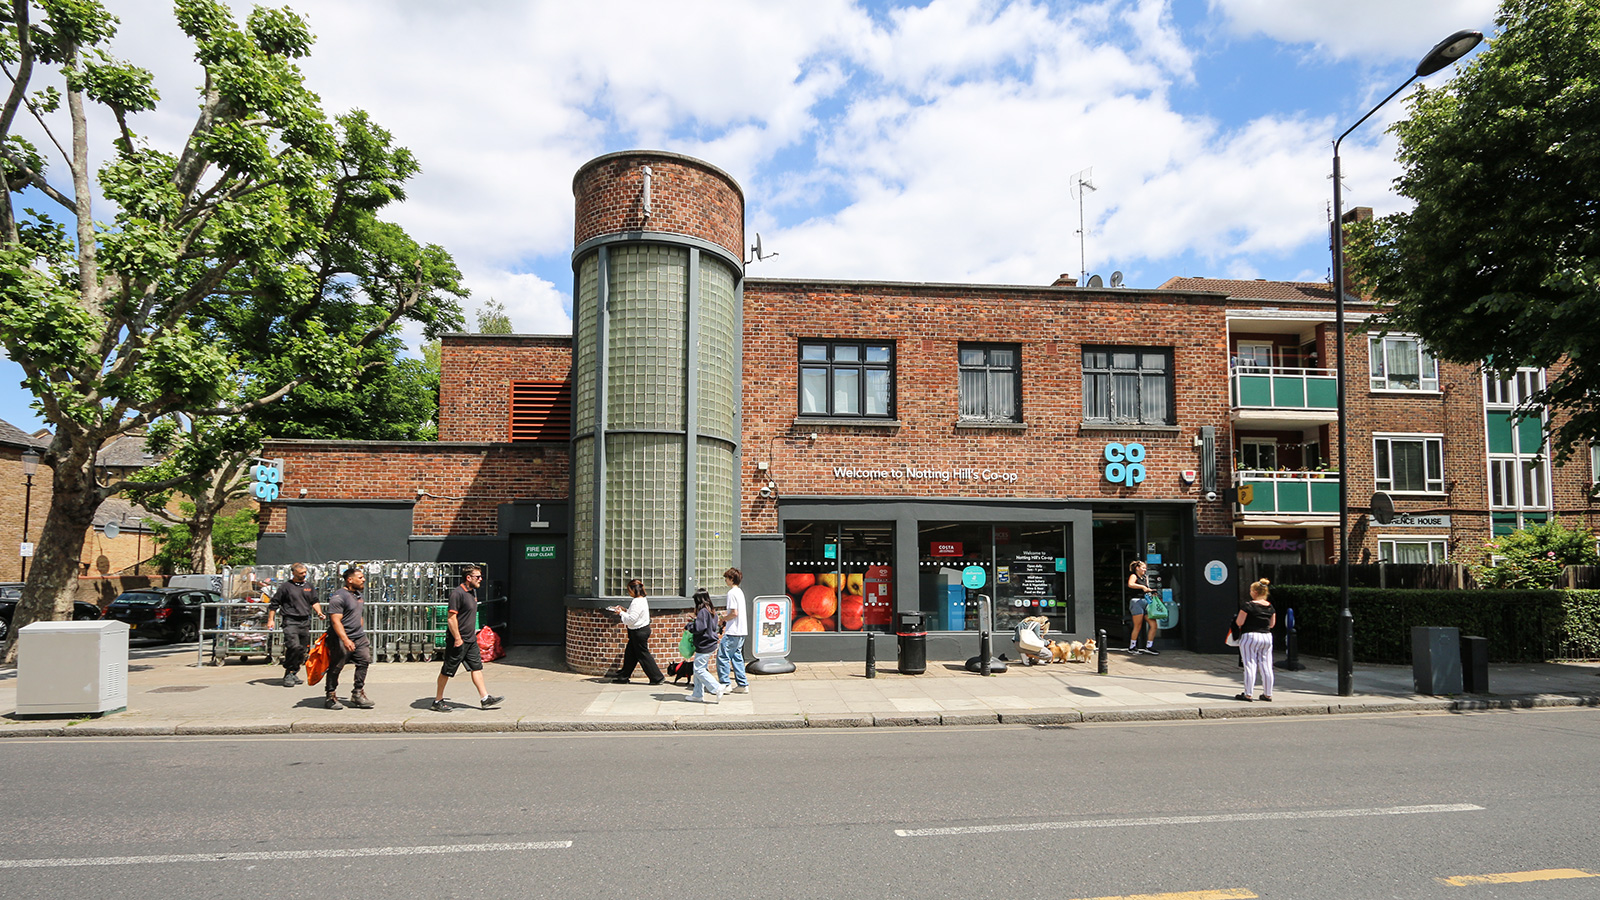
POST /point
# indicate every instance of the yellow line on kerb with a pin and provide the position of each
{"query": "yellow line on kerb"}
(1518, 877)
(1231, 894)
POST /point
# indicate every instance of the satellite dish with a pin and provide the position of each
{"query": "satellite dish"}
(1095, 281)
(756, 254)
(1382, 508)
(112, 530)
(1116, 279)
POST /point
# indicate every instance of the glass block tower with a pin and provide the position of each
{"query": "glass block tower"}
(657, 298)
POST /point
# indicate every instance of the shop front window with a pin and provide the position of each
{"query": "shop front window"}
(1022, 568)
(839, 576)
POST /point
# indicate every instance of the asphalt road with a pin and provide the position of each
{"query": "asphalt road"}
(1337, 807)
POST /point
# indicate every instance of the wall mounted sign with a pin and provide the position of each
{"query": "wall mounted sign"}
(1405, 520)
(1282, 545)
(1124, 463)
(945, 548)
(1216, 571)
(539, 551)
(914, 473)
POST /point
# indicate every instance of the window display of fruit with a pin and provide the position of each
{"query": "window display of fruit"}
(819, 600)
(808, 623)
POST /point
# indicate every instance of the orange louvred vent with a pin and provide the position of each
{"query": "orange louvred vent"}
(541, 411)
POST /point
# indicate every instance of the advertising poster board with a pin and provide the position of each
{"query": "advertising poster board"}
(772, 626)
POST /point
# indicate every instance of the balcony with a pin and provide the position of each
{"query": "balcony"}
(1282, 496)
(1269, 396)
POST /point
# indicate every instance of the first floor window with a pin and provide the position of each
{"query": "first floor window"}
(991, 383)
(846, 378)
(1408, 464)
(1412, 550)
(1127, 385)
(1518, 483)
(1259, 453)
(1401, 363)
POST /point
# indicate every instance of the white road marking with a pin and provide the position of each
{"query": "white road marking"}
(1193, 820)
(272, 855)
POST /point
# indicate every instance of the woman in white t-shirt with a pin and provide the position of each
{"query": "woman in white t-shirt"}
(730, 654)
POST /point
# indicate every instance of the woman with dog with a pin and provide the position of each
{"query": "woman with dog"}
(1138, 589)
(707, 632)
(1255, 622)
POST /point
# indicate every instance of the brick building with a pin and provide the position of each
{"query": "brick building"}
(877, 449)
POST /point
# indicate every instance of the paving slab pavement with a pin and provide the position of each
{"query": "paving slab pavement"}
(169, 694)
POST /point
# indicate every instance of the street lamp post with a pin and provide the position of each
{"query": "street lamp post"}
(1443, 54)
(30, 465)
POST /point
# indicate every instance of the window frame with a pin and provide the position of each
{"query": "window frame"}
(1110, 372)
(1383, 382)
(832, 367)
(1386, 544)
(990, 371)
(1433, 483)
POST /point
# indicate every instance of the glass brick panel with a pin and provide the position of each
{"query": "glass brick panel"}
(582, 514)
(647, 377)
(585, 345)
(715, 508)
(717, 350)
(644, 512)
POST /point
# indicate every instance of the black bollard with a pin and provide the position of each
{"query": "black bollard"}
(1105, 665)
(983, 653)
(872, 654)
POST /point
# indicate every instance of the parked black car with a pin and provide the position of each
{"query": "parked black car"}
(11, 592)
(168, 614)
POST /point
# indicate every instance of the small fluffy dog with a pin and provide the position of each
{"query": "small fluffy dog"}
(1085, 650)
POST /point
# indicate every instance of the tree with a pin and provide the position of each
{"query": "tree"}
(231, 537)
(492, 318)
(1498, 263)
(232, 272)
(1534, 557)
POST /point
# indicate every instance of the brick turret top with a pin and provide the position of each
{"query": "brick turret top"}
(686, 196)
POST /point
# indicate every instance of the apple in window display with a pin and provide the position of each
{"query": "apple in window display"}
(854, 583)
(852, 613)
(820, 601)
(807, 623)
(797, 583)
(831, 579)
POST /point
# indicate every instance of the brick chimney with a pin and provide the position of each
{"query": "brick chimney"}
(1065, 280)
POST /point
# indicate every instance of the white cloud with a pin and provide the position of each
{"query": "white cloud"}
(1371, 29)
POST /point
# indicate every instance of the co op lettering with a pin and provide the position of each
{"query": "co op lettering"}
(1125, 463)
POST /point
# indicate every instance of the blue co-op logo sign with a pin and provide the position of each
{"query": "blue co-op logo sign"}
(1125, 463)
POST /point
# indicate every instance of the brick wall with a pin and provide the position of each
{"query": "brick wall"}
(475, 395)
(486, 474)
(13, 490)
(687, 196)
(595, 640)
(1054, 456)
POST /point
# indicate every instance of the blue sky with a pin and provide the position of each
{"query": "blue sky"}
(936, 141)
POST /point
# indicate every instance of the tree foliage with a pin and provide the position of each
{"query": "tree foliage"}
(1534, 557)
(492, 318)
(232, 540)
(1499, 260)
(227, 273)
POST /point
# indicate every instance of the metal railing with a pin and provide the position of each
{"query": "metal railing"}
(1269, 387)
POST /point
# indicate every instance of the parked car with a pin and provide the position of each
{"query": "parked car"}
(168, 614)
(11, 592)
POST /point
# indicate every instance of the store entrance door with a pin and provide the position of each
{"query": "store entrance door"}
(1116, 544)
(538, 588)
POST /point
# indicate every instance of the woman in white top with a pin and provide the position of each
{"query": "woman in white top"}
(730, 653)
(636, 618)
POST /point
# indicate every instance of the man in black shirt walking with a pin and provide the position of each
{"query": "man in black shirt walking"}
(349, 641)
(298, 603)
(463, 642)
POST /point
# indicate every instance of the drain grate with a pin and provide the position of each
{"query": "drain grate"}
(178, 689)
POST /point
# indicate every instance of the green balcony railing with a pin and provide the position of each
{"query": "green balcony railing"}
(1290, 492)
(1262, 387)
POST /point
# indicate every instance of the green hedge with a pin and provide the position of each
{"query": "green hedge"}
(1522, 626)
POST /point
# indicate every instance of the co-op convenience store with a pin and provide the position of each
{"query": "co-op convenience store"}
(870, 448)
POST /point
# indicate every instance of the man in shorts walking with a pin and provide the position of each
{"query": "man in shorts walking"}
(462, 647)
(297, 601)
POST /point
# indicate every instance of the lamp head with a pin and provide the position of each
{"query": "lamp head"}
(1448, 51)
(30, 462)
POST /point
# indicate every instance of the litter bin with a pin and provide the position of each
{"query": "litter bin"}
(913, 644)
(1436, 660)
(1475, 664)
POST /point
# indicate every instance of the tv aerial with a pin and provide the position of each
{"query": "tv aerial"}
(755, 252)
(1081, 182)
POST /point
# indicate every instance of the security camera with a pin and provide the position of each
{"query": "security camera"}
(766, 492)
(1211, 496)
